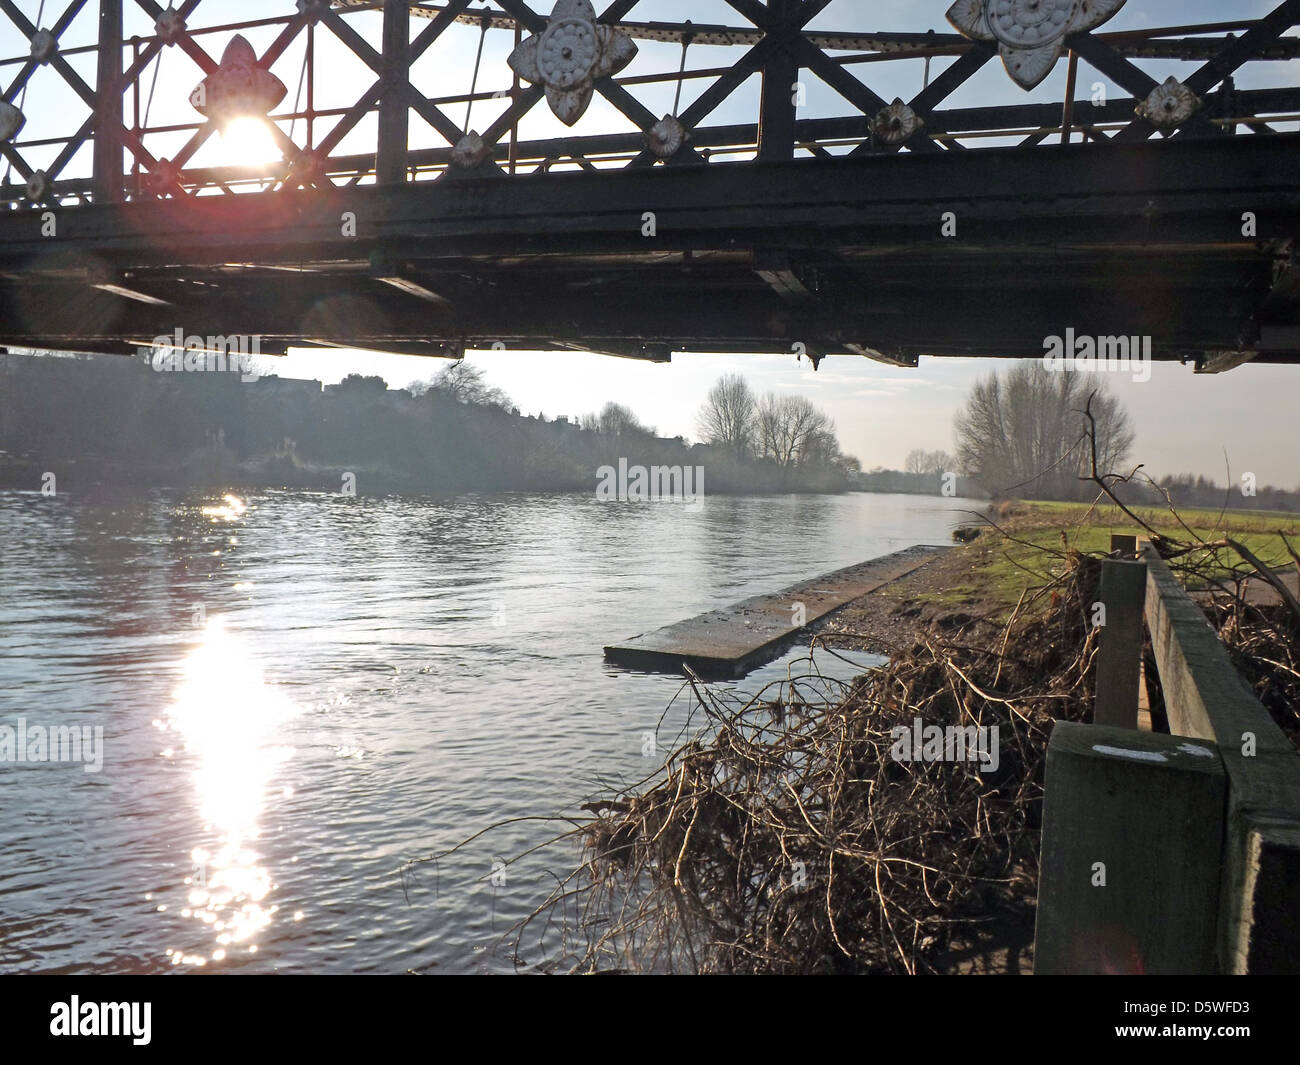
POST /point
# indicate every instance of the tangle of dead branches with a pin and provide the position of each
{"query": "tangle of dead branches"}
(785, 837)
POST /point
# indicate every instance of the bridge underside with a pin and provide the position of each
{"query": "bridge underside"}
(1187, 241)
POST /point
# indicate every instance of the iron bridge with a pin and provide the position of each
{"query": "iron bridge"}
(607, 181)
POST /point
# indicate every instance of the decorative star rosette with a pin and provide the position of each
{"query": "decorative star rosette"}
(1030, 33)
(568, 57)
(11, 121)
(896, 123)
(38, 186)
(470, 152)
(666, 137)
(169, 25)
(238, 87)
(164, 178)
(1169, 105)
(308, 168)
(44, 46)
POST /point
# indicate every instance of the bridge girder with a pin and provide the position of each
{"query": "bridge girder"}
(1134, 240)
(876, 233)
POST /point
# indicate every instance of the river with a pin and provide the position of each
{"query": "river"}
(300, 692)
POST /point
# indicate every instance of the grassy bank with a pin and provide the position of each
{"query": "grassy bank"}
(1028, 545)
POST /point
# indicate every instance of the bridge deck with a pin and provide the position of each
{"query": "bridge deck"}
(838, 255)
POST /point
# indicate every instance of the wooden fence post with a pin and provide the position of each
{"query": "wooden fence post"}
(1131, 852)
(1119, 658)
(1126, 546)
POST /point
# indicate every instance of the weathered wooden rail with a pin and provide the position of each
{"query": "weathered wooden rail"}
(1173, 853)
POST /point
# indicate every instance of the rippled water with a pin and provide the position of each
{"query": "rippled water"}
(299, 692)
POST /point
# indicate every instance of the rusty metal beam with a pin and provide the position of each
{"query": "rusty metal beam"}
(414, 288)
(394, 114)
(108, 175)
(779, 100)
(561, 258)
(126, 292)
(1246, 47)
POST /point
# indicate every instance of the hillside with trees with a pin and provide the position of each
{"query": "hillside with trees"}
(114, 421)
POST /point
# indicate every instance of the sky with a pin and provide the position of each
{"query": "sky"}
(1184, 422)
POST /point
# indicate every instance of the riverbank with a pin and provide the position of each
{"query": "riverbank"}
(884, 825)
(975, 587)
(220, 471)
(798, 833)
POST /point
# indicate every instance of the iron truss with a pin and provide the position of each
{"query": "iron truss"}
(1170, 212)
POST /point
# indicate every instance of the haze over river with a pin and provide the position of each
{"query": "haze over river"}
(299, 692)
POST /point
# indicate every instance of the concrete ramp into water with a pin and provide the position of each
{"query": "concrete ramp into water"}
(736, 639)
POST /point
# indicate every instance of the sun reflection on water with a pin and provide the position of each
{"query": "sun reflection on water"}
(227, 718)
(230, 509)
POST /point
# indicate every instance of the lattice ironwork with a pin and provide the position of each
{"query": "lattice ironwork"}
(569, 195)
(773, 41)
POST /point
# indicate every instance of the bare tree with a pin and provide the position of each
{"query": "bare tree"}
(788, 427)
(615, 419)
(465, 383)
(929, 463)
(1024, 433)
(822, 449)
(728, 417)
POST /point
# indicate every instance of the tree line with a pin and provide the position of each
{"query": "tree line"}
(112, 420)
(787, 432)
(1022, 433)
(1034, 433)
